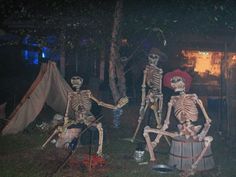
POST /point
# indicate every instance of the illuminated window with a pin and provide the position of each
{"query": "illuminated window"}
(31, 56)
(204, 61)
(33, 52)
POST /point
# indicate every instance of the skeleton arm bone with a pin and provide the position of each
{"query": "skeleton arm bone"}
(121, 102)
(207, 123)
(143, 92)
(167, 119)
(66, 118)
(100, 103)
(60, 129)
(161, 72)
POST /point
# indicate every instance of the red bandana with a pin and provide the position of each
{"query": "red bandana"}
(168, 76)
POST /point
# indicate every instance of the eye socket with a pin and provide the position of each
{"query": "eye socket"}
(153, 56)
(76, 79)
(176, 79)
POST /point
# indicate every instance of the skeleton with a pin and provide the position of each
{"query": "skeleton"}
(81, 101)
(185, 110)
(152, 98)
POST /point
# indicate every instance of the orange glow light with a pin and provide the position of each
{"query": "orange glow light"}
(204, 62)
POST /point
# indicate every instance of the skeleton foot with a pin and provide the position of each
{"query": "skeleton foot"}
(100, 154)
(187, 173)
(153, 159)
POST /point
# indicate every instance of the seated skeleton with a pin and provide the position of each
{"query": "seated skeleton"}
(80, 101)
(186, 112)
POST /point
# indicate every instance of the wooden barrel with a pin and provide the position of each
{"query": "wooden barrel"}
(184, 152)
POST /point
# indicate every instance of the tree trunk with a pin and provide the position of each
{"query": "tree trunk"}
(116, 71)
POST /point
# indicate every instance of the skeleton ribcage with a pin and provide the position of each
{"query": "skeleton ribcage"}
(80, 102)
(154, 79)
(185, 108)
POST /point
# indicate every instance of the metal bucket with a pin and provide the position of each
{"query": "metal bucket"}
(138, 155)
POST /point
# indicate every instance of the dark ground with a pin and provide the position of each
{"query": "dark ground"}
(21, 155)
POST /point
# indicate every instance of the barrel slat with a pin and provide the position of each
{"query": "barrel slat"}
(184, 152)
(209, 162)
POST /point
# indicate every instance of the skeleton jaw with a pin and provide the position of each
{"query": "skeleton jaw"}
(76, 82)
(153, 59)
(179, 89)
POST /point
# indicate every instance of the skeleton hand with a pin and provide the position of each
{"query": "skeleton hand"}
(204, 132)
(66, 120)
(123, 101)
(201, 136)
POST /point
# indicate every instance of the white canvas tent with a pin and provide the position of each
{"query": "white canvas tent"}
(48, 88)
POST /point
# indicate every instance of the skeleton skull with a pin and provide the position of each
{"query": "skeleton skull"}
(153, 59)
(76, 82)
(178, 84)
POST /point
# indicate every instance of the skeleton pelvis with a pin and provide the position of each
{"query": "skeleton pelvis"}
(154, 106)
(189, 130)
(85, 118)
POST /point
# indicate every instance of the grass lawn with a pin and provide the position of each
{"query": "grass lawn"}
(21, 155)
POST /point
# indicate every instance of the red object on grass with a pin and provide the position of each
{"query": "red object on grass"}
(96, 161)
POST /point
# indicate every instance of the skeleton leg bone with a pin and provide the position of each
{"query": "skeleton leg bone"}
(151, 145)
(100, 141)
(191, 171)
(140, 119)
(158, 120)
(207, 143)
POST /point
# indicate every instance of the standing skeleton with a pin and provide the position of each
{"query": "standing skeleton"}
(152, 98)
(185, 110)
(81, 102)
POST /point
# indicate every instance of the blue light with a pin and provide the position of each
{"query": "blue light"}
(35, 44)
(45, 52)
(35, 58)
(35, 61)
(31, 56)
(43, 55)
(26, 54)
